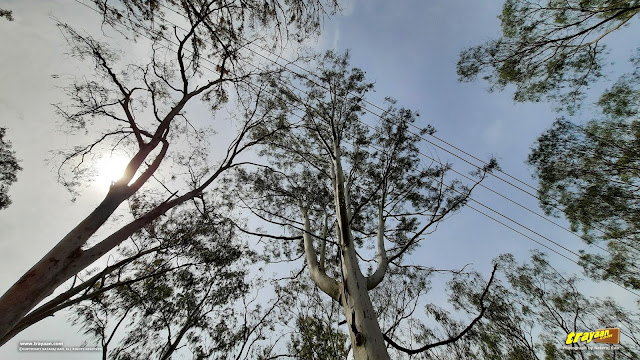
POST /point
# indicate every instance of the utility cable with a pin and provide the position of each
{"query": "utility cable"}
(380, 116)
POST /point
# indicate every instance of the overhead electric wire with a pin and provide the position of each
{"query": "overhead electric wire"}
(284, 67)
(438, 161)
(381, 109)
(524, 227)
(487, 207)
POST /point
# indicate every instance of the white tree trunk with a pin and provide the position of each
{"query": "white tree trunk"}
(68, 258)
(56, 267)
(366, 337)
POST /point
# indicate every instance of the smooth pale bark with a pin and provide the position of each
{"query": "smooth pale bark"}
(352, 293)
(328, 285)
(366, 337)
(63, 261)
(323, 244)
(63, 301)
(68, 258)
(57, 266)
(377, 277)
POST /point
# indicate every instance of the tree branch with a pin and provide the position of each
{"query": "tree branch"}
(324, 282)
(483, 308)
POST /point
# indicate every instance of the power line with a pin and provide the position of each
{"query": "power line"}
(599, 229)
(284, 67)
(380, 116)
(522, 226)
(438, 161)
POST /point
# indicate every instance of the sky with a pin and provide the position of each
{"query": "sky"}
(408, 48)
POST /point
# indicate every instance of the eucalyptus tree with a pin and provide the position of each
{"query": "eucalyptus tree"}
(555, 50)
(590, 172)
(549, 49)
(187, 303)
(346, 186)
(9, 168)
(140, 109)
(531, 308)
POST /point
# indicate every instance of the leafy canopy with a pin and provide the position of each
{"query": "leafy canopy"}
(8, 169)
(549, 49)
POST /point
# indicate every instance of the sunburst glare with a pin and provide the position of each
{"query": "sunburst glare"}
(110, 168)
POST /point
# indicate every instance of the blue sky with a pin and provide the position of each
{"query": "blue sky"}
(408, 48)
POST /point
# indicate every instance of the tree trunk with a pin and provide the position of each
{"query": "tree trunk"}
(56, 267)
(366, 337)
(67, 258)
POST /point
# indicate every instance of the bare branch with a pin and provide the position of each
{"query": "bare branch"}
(483, 308)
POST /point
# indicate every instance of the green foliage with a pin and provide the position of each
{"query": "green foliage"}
(329, 141)
(7, 14)
(293, 20)
(316, 340)
(398, 301)
(592, 173)
(554, 303)
(381, 161)
(531, 312)
(8, 169)
(552, 50)
(549, 49)
(187, 290)
(159, 82)
(622, 100)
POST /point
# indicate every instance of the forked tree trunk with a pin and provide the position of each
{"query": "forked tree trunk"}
(366, 337)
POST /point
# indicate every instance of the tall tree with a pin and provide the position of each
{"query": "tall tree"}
(554, 50)
(8, 169)
(347, 186)
(140, 109)
(531, 308)
(591, 173)
(192, 304)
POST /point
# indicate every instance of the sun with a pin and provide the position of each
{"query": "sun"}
(110, 168)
